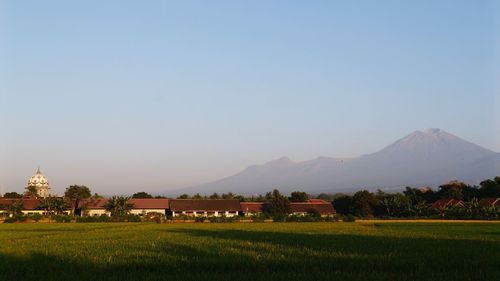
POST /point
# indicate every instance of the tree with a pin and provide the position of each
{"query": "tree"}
(215, 195)
(31, 192)
(53, 205)
(118, 206)
(12, 195)
(197, 196)
(396, 205)
(363, 203)
(76, 193)
(451, 190)
(298, 196)
(277, 204)
(490, 188)
(16, 207)
(228, 195)
(327, 197)
(342, 204)
(183, 196)
(142, 194)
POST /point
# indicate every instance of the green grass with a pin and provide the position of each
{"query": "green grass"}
(253, 251)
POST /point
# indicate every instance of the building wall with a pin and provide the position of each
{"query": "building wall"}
(95, 212)
(205, 213)
(142, 212)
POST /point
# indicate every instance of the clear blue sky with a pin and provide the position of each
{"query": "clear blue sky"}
(153, 95)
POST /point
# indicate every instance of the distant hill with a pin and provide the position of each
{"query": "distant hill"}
(423, 158)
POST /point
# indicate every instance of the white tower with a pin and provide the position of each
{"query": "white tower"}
(40, 183)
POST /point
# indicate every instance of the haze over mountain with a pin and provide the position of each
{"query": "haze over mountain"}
(423, 158)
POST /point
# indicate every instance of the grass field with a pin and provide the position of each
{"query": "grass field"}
(275, 251)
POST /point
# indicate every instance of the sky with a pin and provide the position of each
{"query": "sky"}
(125, 96)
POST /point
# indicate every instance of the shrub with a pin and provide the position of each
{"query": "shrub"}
(279, 218)
(200, 219)
(349, 218)
(36, 217)
(61, 218)
(259, 218)
(154, 217)
(10, 220)
(133, 218)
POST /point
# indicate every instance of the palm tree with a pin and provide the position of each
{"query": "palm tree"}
(16, 208)
(118, 206)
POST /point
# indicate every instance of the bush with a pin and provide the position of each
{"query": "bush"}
(101, 218)
(200, 219)
(154, 217)
(10, 220)
(349, 218)
(279, 218)
(36, 217)
(133, 218)
(61, 218)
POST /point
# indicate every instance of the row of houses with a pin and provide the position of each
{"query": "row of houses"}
(177, 207)
(447, 203)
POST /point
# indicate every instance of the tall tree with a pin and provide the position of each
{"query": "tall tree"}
(31, 192)
(215, 195)
(490, 188)
(142, 195)
(53, 205)
(277, 204)
(452, 190)
(76, 193)
(16, 207)
(118, 206)
(12, 195)
(342, 204)
(183, 196)
(228, 195)
(298, 196)
(363, 203)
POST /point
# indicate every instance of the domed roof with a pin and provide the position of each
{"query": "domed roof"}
(38, 180)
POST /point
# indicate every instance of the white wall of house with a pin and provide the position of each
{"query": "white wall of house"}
(142, 212)
(205, 213)
(95, 212)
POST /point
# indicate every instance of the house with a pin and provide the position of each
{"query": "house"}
(140, 206)
(93, 207)
(446, 203)
(323, 207)
(297, 208)
(252, 208)
(204, 207)
(30, 206)
(490, 202)
(149, 205)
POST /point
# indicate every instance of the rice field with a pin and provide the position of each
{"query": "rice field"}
(252, 251)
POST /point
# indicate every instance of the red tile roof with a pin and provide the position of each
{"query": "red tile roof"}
(28, 204)
(443, 203)
(316, 201)
(322, 208)
(138, 203)
(204, 205)
(490, 202)
(252, 207)
(91, 204)
(149, 203)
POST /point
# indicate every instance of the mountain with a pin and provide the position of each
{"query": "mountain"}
(423, 158)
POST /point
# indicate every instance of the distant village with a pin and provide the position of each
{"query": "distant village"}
(453, 200)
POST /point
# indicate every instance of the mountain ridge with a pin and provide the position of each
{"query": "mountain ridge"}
(422, 158)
